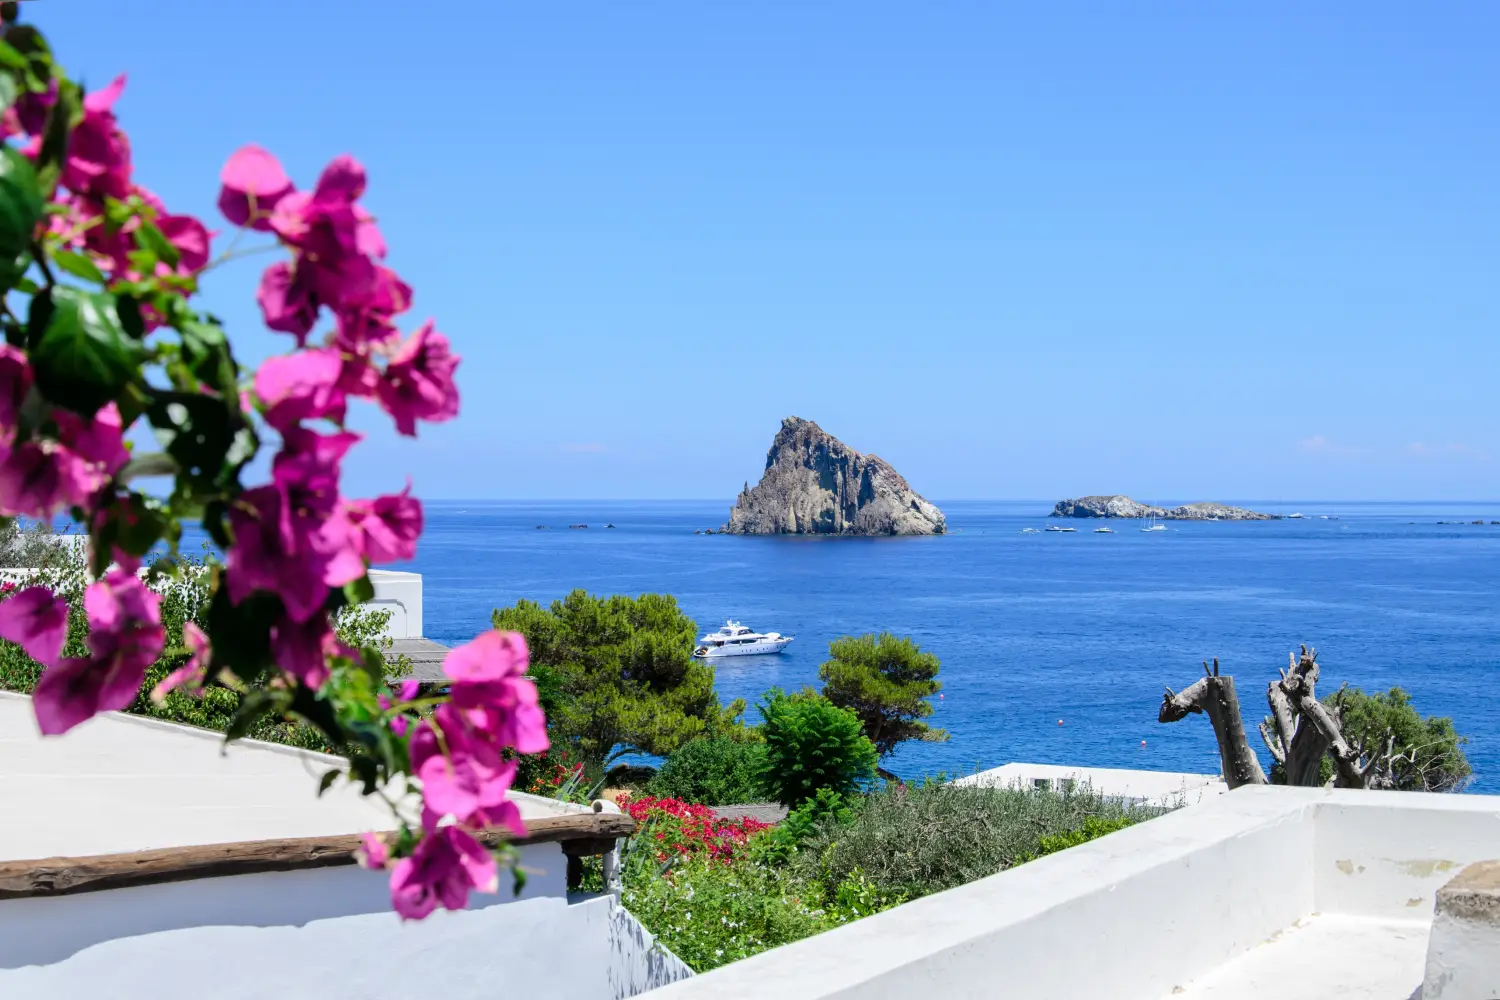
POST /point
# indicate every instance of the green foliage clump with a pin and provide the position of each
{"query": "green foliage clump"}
(1093, 828)
(1428, 752)
(711, 771)
(617, 674)
(826, 809)
(710, 913)
(812, 744)
(920, 839)
(886, 682)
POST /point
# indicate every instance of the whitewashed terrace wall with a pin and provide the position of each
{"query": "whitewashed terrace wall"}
(1137, 913)
(325, 934)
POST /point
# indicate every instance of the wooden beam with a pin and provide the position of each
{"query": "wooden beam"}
(576, 832)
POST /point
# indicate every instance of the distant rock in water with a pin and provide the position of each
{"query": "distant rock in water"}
(816, 485)
(1123, 506)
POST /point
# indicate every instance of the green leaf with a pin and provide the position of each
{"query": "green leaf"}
(79, 266)
(65, 114)
(156, 463)
(359, 591)
(21, 204)
(197, 431)
(8, 90)
(130, 314)
(79, 351)
(11, 59)
(242, 632)
(329, 777)
(132, 525)
(153, 240)
(205, 349)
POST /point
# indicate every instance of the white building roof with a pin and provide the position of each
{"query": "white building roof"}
(124, 783)
(1168, 788)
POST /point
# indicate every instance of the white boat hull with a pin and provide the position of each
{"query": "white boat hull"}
(743, 649)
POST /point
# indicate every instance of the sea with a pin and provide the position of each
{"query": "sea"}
(1055, 647)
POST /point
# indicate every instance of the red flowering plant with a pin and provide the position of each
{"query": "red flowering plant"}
(102, 335)
(673, 829)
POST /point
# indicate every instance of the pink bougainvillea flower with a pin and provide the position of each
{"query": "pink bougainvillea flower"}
(301, 386)
(301, 648)
(490, 685)
(291, 554)
(372, 852)
(370, 318)
(190, 237)
(37, 621)
(38, 479)
(15, 383)
(462, 774)
(387, 528)
(125, 638)
(191, 673)
(98, 160)
(99, 441)
(31, 109)
(306, 469)
(410, 688)
(443, 869)
(287, 304)
(418, 382)
(253, 185)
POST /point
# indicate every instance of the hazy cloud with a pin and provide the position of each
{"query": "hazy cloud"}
(1453, 449)
(1320, 445)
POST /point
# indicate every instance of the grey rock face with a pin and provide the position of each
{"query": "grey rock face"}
(815, 484)
(1123, 506)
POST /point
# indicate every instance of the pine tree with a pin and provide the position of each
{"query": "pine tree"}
(885, 681)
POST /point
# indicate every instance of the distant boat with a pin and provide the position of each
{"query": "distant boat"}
(1104, 531)
(1031, 531)
(1054, 527)
(1154, 525)
(1294, 517)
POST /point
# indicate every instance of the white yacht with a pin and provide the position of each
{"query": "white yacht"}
(1104, 531)
(735, 639)
(1154, 525)
(1056, 527)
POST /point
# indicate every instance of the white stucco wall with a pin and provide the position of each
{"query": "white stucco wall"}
(1147, 912)
(1165, 788)
(326, 934)
(400, 594)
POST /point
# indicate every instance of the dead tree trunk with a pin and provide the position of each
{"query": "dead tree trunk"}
(1214, 696)
(1299, 733)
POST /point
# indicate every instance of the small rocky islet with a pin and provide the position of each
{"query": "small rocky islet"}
(1120, 505)
(814, 484)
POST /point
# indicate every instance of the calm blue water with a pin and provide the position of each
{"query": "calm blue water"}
(1035, 628)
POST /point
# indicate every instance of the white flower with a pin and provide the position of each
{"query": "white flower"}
(718, 953)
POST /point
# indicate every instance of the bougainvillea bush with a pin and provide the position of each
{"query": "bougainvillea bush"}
(106, 346)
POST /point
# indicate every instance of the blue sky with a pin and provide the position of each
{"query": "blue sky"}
(1181, 251)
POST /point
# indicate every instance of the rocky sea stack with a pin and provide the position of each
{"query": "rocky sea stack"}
(816, 485)
(1123, 506)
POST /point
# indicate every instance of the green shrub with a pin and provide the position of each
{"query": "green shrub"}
(915, 840)
(713, 771)
(827, 808)
(1093, 828)
(812, 744)
(710, 913)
